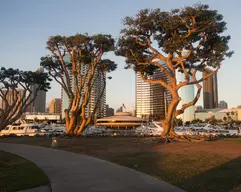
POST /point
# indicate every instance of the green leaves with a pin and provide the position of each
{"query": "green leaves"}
(197, 29)
(104, 42)
(80, 48)
(16, 92)
(15, 78)
(107, 65)
(82, 42)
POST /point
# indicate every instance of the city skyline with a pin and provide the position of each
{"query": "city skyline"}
(26, 30)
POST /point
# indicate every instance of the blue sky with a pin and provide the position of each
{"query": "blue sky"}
(27, 24)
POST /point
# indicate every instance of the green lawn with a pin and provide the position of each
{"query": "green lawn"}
(17, 173)
(197, 172)
(204, 166)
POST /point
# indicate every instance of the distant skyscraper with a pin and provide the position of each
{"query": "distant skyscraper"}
(187, 94)
(39, 104)
(94, 95)
(222, 105)
(120, 109)
(151, 100)
(55, 106)
(109, 111)
(199, 108)
(210, 91)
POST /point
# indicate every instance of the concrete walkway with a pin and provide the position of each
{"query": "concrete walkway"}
(74, 172)
(43, 188)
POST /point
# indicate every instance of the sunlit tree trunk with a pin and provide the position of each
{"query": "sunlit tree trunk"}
(77, 74)
(168, 123)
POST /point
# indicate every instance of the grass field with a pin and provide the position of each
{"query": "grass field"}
(202, 166)
(17, 173)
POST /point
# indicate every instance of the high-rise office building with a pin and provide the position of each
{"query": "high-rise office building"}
(151, 100)
(210, 91)
(109, 111)
(55, 106)
(39, 104)
(222, 105)
(120, 109)
(93, 97)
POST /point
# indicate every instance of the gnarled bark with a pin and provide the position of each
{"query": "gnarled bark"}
(77, 76)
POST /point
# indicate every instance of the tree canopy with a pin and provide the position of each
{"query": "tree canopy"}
(16, 93)
(76, 62)
(192, 35)
(187, 40)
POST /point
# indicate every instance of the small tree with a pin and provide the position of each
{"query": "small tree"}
(225, 119)
(16, 94)
(187, 41)
(76, 63)
(207, 120)
(213, 120)
(36, 120)
(178, 122)
(229, 118)
(194, 121)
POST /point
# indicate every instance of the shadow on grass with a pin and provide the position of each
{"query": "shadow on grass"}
(223, 178)
(189, 166)
(192, 172)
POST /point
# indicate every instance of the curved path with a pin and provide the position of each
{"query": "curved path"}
(74, 172)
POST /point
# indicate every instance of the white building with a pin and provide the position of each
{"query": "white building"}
(187, 94)
(41, 117)
(219, 114)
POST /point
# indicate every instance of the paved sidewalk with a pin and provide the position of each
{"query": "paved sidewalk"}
(75, 172)
(43, 188)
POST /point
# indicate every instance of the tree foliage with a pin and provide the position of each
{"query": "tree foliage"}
(213, 120)
(224, 119)
(178, 122)
(188, 41)
(16, 93)
(194, 121)
(76, 62)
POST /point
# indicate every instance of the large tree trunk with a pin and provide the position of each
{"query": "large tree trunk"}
(168, 123)
(72, 122)
(78, 121)
(92, 115)
(83, 125)
(67, 122)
